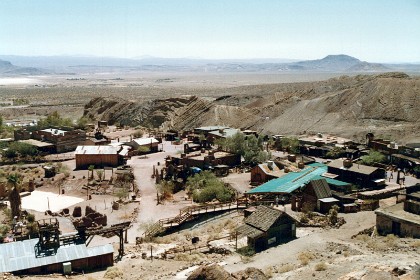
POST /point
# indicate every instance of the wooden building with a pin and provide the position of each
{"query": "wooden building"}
(150, 143)
(62, 140)
(265, 172)
(267, 227)
(402, 219)
(316, 195)
(25, 257)
(358, 174)
(99, 156)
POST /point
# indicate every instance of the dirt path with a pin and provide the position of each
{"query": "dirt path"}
(149, 210)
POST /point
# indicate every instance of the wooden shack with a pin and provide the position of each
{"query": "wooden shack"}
(99, 156)
(267, 227)
(316, 195)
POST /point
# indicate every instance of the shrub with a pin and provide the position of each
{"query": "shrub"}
(30, 218)
(373, 157)
(138, 133)
(305, 257)
(285, 268)
(113, 272)
(321, 266)
(206, 186)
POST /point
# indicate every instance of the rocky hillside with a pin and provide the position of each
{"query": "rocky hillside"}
(386, 104)
(149, 114)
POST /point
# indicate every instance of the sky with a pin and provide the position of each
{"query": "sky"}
(371, 30)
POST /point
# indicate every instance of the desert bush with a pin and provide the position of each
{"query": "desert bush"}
(4, 229)
(187, 257)
(113, 272)
(166, 189)
(246, 251)
(305, 257)
(138, 133)
(333, 215)
(285, 268)
(30, 218)
(321, 266)
(416, 244)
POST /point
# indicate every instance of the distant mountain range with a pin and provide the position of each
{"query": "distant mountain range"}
(7, 68)
(26, 65)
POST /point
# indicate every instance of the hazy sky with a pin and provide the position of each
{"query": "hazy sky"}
(376, 31)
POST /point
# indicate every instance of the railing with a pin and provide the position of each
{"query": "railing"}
(191, 212)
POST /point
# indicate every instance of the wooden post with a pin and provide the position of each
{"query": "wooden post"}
(151, 252)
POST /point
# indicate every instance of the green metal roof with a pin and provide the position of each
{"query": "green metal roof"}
(294, 180)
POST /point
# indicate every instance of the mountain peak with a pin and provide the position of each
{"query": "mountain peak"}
(341, 57)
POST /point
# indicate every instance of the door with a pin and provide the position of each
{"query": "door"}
(396, 228)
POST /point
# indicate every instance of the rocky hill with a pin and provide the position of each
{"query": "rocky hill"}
(386, 104)
(7, 68)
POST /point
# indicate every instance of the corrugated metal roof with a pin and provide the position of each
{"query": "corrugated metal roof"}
(227, 132)
(96, 150)
(22, 255)
(145, 141)
(328, 199)
(291, 181)
(210, 128)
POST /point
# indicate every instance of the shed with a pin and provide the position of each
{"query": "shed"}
(150, 143)
(266, 227)
(98, 156)
(25, 257)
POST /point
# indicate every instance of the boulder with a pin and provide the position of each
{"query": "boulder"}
(101, 220)
(250, 273)
(87, 222)
(89, 210)
(210, 272)
(77, 211)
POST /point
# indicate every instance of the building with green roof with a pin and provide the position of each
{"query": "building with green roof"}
(292, 181)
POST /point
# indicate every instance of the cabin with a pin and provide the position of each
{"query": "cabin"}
(149, 143)
(317, 195)
(99, 156)
(267, 227)
(358, 174)
(402, 219)
(265, 172)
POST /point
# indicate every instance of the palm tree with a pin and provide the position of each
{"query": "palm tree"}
(14, 196)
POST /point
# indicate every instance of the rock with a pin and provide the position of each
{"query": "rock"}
(87, 222)
(77, 211)
(89, 210)
(251, 273)
(66, 211)
(210, 272)
(101, 220)
(115, 205)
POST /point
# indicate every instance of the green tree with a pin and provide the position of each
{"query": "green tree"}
(14, 180)
(82, 122)
(205, 187)
(251, 147)
(165, 188)
(373, 157)
(290, 144)
(335, 152)
(91, 168)
(54, 120)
